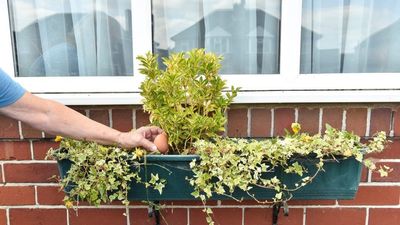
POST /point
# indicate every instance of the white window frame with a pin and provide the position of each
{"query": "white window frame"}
(287, 87)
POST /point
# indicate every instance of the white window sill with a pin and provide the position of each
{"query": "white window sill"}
(250, 97)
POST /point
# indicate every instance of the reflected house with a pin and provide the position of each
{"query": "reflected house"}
(162, 53)
(313, 59)
(68, 44)
(380, 52)
(247, 38)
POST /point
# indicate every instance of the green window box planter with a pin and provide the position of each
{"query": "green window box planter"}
(340, 180)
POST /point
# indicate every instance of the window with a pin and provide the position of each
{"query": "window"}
(204, 24)
(358, 36)
(74, 38)
(79, 52)
(84, 52)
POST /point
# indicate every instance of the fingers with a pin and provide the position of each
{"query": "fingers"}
(148, 145)
(155, 130)
(146, 136)
(149, 132)
(152, 129)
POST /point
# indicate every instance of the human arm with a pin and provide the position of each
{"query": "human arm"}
(55, 118)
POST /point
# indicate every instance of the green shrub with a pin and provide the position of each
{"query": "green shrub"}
(187, 100)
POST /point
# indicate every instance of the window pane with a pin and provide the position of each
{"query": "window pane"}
(357, 36)
(246, 33)
(72, 37)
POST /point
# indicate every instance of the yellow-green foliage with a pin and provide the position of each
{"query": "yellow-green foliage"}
(187, 100)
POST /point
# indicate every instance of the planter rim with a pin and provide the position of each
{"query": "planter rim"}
(171, 158)
(189, 158)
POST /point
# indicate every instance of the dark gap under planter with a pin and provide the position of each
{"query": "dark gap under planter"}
(340, 180)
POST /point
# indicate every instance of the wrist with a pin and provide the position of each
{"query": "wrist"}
(120, 139)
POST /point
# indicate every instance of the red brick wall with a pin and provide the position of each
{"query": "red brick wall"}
(29, 197)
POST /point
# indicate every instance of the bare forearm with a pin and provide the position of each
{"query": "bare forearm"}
(61, 120)
(58, 119)
(65, 121)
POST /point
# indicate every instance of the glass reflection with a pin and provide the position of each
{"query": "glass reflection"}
(245, 33)
(72, 37)
(357, 36)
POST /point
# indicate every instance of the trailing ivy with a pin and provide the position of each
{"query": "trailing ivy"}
(100, 174)
(228, 164)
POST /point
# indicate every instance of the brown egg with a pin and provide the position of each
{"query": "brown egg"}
(161, 141)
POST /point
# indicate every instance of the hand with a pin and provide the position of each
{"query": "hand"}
(142, 137)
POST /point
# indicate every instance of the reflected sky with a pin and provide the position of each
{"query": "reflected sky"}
(28, 11)
(365, 17)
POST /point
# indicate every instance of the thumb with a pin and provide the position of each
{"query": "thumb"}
(150, 146)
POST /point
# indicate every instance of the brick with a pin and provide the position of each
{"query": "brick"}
(30, 132)
(9, 127)
(40, 148)
(237, 122)
(375, 195)
(392, 151)
(50, 195)
(30, 173)
(174, 216)
(356, 120)
(140, 217)
(247, 202)
(17, 195)
(333, 117)
(364, 174)
(3, 217)
(98, 217)
(335, 216)
(188, 202)
(38, 217)
(100, 115)
(394, 176)
(15, 150)
(1, 174)
(312, 202)
(283, 119)
(260, 123)
(380, 120)
(396, 122)
(50, 136)
(79, 110)
(142, 118)
(231, 216)
(309, 120)
(169, 216)
(264, 216)
(384, 216)
(122, 119)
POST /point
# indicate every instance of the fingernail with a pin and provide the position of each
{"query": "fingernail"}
(153, 148)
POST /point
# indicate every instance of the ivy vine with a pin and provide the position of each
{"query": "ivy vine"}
(101, 174)
(228, 164)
